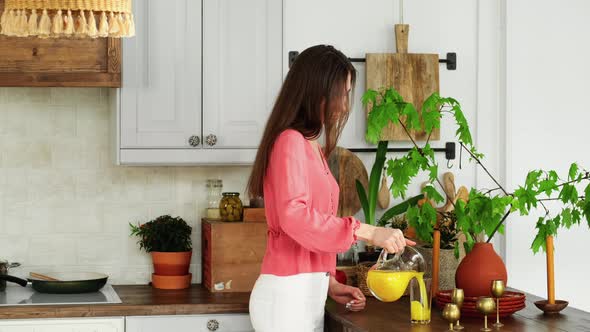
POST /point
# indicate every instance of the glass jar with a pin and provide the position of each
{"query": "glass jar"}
(230, 207)
(214, 189)
(391, 277)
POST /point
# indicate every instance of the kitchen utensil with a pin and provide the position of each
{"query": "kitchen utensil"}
(390, 277)
(4, 267)
(414, 76)
(69, 283)
(497, 291)
(384, 195)
(462, 194)
(457, 298)
(449, 188)
(42, 276)
(347, 168)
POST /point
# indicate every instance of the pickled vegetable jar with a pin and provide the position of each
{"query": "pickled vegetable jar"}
(230, 207)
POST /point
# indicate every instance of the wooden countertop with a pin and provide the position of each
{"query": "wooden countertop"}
(141, 300)
(379, 316)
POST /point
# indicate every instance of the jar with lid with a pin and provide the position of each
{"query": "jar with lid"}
(230, 207)
(214, 189)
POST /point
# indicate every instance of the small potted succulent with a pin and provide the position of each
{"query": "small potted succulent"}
(168, 240)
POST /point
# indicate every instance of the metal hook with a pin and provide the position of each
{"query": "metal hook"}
(449, 165)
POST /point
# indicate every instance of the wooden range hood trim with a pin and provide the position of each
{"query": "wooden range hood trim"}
(108, 74)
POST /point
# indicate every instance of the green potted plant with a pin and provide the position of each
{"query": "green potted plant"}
(168, 240)
(486, 210)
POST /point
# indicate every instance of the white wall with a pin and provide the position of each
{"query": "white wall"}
(547, 127)
(357, 28)
(65, 206)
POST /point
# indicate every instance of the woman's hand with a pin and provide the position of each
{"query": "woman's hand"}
(390, 239)
(351, 297)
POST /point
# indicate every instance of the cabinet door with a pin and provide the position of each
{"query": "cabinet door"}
(242, 69)
(64, 325)
(161, 93)
(197, 323)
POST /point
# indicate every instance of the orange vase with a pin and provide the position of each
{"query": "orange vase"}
(477, 270)
(171, 263)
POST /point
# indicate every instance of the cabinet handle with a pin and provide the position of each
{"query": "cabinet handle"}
(211, 140)
(212, 325)
(194, 141)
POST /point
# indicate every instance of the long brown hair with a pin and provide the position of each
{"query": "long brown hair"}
(310, 101)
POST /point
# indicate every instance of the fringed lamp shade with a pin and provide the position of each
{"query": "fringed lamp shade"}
(67, 18)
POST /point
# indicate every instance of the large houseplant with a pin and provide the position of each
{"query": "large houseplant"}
(486, 210)
(168, 240)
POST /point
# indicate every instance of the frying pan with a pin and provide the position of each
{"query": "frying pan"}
(66, 283)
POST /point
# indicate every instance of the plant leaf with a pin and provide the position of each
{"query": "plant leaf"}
(401, 208)
(363, 199)
(432, 193)
(573, 172)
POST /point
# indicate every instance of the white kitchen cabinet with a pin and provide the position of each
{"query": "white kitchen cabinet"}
(242, 69)
(63, 325)
(199, 81)
(196, 323)
(161, 94)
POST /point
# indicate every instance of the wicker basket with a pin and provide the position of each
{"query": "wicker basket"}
(361, 275)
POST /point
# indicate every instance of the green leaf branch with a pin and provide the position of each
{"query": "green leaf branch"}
(486, 211)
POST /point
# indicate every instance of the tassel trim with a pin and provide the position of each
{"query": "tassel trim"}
(67, 23)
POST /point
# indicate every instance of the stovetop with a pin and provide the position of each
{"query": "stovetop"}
(17, 295)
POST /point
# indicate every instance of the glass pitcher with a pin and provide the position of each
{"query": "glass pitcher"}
(392, 274)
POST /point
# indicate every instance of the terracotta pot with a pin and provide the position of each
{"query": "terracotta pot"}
(171, 282)
(171, 263)
(447, 266)
(477, 270)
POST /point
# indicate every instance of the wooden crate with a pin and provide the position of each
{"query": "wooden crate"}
(254, 215)
(232, 254)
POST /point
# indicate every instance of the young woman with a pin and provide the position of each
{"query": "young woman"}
(301, 198)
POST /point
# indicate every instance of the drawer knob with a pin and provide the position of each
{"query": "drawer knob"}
(211, 140)
(212, 325)
(194, 141)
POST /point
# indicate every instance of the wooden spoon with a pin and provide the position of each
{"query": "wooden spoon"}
(449, 188)
(462, 194)
(384, 195)
(42, 277)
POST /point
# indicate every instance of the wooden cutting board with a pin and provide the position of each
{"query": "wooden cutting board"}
(346, 168)
(414, 76)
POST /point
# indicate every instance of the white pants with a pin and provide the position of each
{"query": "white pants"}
(293, 303)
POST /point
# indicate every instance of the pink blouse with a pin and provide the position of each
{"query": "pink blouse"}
(301, 201)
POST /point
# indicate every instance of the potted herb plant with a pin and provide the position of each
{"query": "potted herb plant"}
(486, 210)
(168, 240)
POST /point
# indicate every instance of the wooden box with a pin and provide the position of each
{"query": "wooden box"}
(60, 62)
(254, 215)
(232, 254)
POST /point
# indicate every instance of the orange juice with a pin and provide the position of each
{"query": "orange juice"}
(389, 286)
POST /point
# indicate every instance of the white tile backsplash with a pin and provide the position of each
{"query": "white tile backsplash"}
(65, 206)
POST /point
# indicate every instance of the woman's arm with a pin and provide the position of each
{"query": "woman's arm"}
(390, 239)
(350, 296)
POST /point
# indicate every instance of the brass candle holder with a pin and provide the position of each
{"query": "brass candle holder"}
(486, 306)
(498, 288)
(451, 314)
(457, 298)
